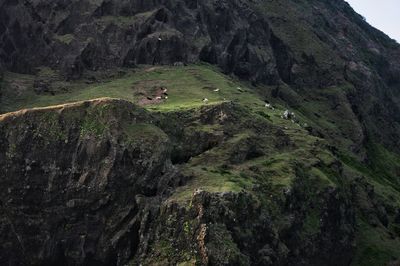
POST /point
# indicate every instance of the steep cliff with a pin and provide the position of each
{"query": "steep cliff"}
(91, 183)
(200, 159)
(311, 51)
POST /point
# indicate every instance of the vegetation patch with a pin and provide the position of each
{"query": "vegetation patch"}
(375, 246)
(144, 134)
(187, 88)
(94, 123)
(50, 127)
(66, 39)
(211, 180)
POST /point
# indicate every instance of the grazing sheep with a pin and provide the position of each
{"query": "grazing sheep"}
(205, 100)
(290, 116)
(216, 90)
(268, 105)
(285, 114)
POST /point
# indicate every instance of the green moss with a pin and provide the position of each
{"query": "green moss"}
(66, 39)
(94, 122)
(375, 246)
(92, 127)
(165, 248)
(311, 225)
(381, 168)
(222, 248)
(209, 180)
(384, 162)
(295, 32)
(191, 262)
(142, 129)
(326, 175)
(12, 151)
(186, 228)
(144, 134)
(122, 21)
(47, 73)
(165, 253)
(49, 127)
(279, 169)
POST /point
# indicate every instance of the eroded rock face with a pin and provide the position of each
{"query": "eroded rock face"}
(92, 35)
(235, 229)
(90, 183)
(83, 185)
(303, 49)
(70, 196)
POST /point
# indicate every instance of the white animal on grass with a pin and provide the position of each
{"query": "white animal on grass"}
(216, 90)
(197, 191)
(286, 114)
(205, 100)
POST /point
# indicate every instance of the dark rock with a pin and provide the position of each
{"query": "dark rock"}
(81, 197)
(397, 219)
(80, 185)
(253, 40)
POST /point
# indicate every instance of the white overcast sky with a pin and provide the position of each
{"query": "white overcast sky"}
(382, 14)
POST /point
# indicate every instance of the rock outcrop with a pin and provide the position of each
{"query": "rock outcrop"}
(90, 183)
(74, 36)
(105, 182)
(77, 182)
(346, 64)
(225, 229)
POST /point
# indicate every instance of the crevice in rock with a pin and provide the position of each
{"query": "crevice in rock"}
(284, 59)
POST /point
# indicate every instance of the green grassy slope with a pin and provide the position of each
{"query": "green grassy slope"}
(257, 127)
(187, 87)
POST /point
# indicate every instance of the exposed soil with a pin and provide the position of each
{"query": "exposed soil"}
(157, 97)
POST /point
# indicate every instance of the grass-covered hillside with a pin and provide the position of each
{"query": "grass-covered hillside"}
(237, 141)
(212, 132)
(187, 87)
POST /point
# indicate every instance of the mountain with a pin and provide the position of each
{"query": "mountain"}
(214, 132)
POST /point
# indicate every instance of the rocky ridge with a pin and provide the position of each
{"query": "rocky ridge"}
(106, 182)
(267, 42)
(88, 182)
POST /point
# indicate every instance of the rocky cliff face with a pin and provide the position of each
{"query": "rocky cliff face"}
(87, 183)
(300, 47)
(72, 197)
(106, 182)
